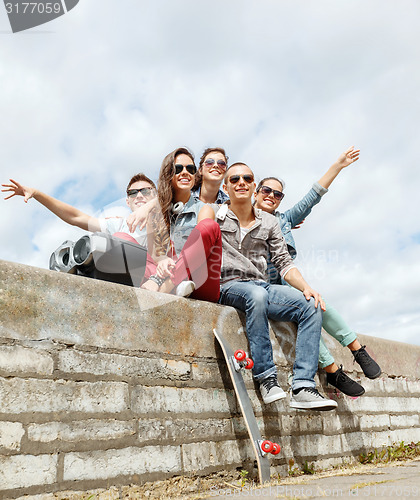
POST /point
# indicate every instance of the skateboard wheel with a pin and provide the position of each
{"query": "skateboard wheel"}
(276, 449)
(267, 446)
(240, 355)
(249, 364)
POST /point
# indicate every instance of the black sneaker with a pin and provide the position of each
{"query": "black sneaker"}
(369, 366)
(344, 383)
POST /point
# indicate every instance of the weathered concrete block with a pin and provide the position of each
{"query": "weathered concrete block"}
(183, 430)
(33, 395)
(125, 462)
(81, 430)
(406, 435)
(23, 471)
(383, 405)
(198, 457)
(336, 423)
(205, 372)
(311, 445)
(180, 400)
(17, 359)
(10, 435)
(306, 424)
(71, 361)
(404, 421)
(374, 422)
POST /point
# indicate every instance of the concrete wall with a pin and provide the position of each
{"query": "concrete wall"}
(104, 385)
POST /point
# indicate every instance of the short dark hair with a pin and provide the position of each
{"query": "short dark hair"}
(140, 177)
(235, 165)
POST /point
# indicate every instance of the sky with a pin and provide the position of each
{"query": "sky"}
(110, 88)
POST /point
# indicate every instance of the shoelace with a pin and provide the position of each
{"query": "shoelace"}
(313, 391)
(270, 383)
(361, 353)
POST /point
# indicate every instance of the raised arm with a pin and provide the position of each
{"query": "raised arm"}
(344, 160)
(66, 212)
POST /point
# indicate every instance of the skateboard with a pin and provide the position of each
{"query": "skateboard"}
(236, 361)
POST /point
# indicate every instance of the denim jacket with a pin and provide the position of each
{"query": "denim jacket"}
(183, 223)
(247, 259)
(289, 219)
(221, 195)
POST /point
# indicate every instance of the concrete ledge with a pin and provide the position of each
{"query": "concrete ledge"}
(105, 385)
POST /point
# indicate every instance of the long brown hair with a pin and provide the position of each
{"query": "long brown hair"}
(199, 175)
(165, 188)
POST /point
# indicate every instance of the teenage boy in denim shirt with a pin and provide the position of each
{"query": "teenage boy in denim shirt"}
(248, 235)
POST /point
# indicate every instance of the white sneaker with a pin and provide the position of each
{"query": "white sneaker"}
(185, 288)
(270, 390)
(309, 398)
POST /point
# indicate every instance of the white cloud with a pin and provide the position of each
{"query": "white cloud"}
(108, 89)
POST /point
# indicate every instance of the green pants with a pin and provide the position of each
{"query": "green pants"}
(335, 326)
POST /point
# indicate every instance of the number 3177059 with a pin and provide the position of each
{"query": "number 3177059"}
(33, 7)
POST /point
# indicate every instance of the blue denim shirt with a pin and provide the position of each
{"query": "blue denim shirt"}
(289, 219)
(221, 195)
(183, 223)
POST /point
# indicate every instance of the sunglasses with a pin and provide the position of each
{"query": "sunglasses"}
(222, 164)
(248, 178)
(265, 190)
(132, 193)
(191, 169)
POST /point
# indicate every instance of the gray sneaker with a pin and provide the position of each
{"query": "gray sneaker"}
(309, 398)
(270, 390)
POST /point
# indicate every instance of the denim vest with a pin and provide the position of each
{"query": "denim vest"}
(292, 217)
(183, 223)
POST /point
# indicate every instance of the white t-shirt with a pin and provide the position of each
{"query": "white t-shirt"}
(113, 225)
(244, 232)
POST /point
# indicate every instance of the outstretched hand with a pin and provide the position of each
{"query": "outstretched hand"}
(309, 292)
(348, 157)
(17, 189)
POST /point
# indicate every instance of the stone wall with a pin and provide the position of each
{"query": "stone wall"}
(104, 385)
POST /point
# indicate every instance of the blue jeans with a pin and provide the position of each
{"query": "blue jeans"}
(261, 301)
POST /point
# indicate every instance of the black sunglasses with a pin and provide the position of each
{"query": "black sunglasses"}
(222, 164)
(278, 195)
(132, 193)
(191, 169)
(248, 178)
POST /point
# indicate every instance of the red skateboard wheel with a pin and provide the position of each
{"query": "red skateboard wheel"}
(240, 355)
(276, 449)
(267, 446)
(249, 364)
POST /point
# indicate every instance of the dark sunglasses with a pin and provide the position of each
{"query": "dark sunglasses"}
(278, 195)
(191, 169)
(233, 179)
(222, 164)
(132, 193)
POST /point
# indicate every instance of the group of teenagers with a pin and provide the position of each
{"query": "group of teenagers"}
(213, 234)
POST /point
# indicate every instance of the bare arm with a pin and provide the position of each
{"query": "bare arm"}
(205, 212)
(294, 278)
(344, 160)
(65, 212)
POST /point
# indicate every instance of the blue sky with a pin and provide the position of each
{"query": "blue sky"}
(109, 89)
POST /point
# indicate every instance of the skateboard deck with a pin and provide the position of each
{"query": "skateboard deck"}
(261, 447)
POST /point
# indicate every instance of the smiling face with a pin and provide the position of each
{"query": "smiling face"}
(242, 190)
(268, 202)
(213, 172)
(137, 200)
(183, 182)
